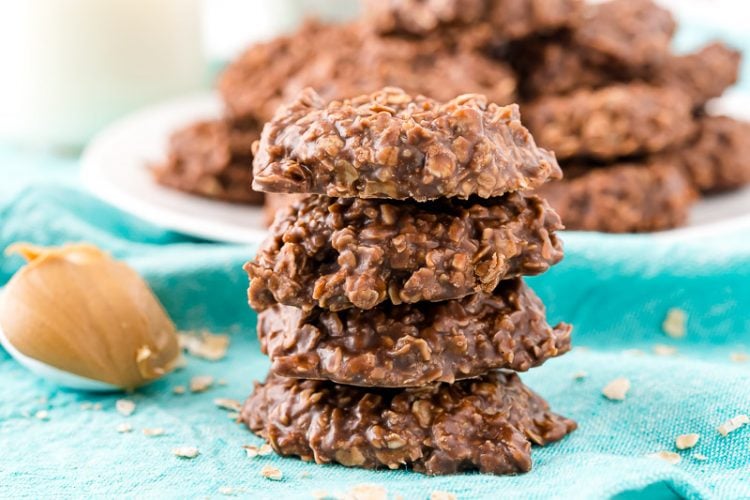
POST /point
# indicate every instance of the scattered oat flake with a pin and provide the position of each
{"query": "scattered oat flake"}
(97, 407)
(319, 494)
(153, 432)
(227, 490)
(366, 492)
(185, 452)
(258, 451)
(617, 389)
(700, 456)
(633, 352)
(87, 405)
(201, 383)
(228, 404)
(178, 389)
(42, 415)
(580, 375)
(125, 407)
(233, 415)
(180, 363)
(668, 456)
(664, 350)
(674, 324)
(124, 427)
(442, 495)
(271, 472)
(687, 441)
(739, 357)
(733, 424)
(206, 345)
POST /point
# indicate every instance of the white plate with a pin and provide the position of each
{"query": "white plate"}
(114, 167)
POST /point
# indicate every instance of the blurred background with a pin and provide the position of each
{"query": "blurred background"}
(72, 67)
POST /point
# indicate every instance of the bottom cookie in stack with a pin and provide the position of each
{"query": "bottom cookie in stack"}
(488, 423)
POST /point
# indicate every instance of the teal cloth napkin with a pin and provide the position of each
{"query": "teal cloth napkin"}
(616, 290)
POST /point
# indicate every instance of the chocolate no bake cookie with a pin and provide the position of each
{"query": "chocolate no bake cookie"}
(619, 40)
(392, 145)
(619, 120)
(703, 74)
(508, 19)
(252, 86)
(487, 424)
(435, 67)
(410, 345)
(622, 198)
(341, 61)
(559, 66)
(338, 253)
(630, 33)
(212, 158)
(719, 157)
(419, 17)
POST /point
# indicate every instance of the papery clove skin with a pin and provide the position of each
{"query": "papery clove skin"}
(77, 309)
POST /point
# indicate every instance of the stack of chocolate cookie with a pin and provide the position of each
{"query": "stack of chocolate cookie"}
(390, 296)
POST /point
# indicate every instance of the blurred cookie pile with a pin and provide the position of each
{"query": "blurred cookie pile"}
(597, 84)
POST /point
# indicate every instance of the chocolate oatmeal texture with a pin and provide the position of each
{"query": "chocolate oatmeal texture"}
(437, 67)
(253, 85)
(411, 345)
(486, 423)
(392, 145)
(508, 19)
(341, 61)
(619, 40)
(718, 159)
(703, 74)
(630, 33)
(559, 66)
(619, 120)
(211, 158)
(338, 253)
(553, 67)
(623, 197)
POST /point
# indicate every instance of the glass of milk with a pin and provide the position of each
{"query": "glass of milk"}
(69, 67)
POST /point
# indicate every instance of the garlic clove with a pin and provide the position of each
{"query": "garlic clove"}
(60, 377)
(77, 310)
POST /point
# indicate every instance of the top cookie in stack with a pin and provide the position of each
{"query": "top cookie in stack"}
(392, 146)
(399, 276)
